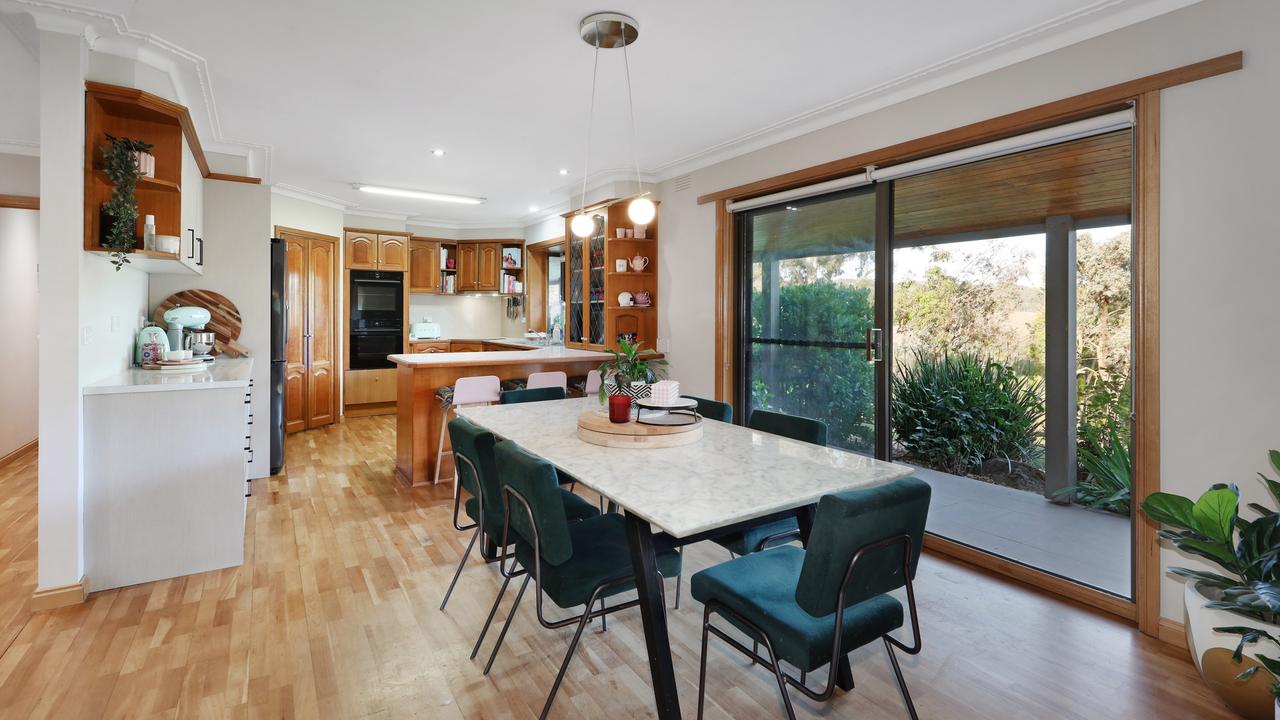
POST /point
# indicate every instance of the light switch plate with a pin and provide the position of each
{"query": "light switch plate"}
(86, 335)
(663, 345)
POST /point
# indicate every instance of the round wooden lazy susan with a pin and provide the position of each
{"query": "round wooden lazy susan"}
(596, 429)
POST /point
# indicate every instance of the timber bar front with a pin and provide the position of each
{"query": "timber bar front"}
(419, 412)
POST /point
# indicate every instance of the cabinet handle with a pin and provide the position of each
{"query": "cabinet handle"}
(191, 247)
(200, 262)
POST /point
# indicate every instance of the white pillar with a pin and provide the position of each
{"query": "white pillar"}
(63, 56)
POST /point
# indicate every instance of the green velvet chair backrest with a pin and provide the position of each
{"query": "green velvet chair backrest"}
(850, 520)
(792, 426)
(532, 395)
(536, 480)
(713, 409)
(476, 444)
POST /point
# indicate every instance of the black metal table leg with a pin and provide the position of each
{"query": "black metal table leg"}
(654, 616)
(804, 517)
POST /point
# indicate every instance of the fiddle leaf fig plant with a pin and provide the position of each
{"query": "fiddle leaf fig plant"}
(627, 366)
(120, 164)
(1248, 551)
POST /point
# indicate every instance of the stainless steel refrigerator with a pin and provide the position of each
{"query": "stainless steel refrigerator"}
(279, 327)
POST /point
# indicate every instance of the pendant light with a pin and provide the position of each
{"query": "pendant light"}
(610, 30)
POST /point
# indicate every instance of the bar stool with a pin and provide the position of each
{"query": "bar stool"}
(555, 378)
(585, 385)
(475, 390)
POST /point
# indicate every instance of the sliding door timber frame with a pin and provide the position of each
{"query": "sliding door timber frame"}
(1144, 95)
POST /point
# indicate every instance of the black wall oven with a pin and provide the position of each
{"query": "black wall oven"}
(377, 318)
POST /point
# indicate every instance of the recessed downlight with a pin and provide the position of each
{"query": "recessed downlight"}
(420, 194)
(438, 152)
(533, 208)
(564, 171)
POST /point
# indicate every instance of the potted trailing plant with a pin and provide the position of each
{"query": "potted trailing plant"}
(1247, 551)
(120, 211)
(627, 367)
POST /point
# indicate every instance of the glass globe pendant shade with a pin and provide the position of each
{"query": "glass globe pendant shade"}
(582, 225)
(641, 211)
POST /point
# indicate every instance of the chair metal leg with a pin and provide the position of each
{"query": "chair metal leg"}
(782, 681)
(702, 668)
(604, 619)
(902, 683)
(444, 423)
(506, 625)
(564, 666)
(489, 620)
(461, 563)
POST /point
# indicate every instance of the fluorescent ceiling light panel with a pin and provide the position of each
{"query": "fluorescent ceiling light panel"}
(420, 195)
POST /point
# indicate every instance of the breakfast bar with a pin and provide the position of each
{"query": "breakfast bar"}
(418, 410)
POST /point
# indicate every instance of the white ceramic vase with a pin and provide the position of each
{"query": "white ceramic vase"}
(1212, 651)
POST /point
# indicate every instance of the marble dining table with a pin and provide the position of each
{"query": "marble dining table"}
(732, 477)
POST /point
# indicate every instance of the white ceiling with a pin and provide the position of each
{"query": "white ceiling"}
(342, 92)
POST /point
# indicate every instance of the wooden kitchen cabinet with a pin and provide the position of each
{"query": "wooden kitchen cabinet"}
(489, 262)
(460, 346)
(311, 363)
(362, 387)
(367, 250)
(428, 346)
(393, 253)
(467, 267)
(362, 250)
(424, 266)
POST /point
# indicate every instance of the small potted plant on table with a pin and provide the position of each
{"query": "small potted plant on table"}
(630, 373)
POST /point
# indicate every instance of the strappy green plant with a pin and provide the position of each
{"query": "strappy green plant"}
(120, 164)
(627, 366)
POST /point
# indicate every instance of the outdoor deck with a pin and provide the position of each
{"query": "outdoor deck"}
(1083, 545)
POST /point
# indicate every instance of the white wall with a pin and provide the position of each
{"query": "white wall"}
(20, 88)
(19, 174)
(1219, 249)
(461, 316)
(111, 304)
(237, 250)
(299, 214)
(19, 242)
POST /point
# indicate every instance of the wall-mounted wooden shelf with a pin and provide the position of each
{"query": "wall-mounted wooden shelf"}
(600, 322)
(153, 262)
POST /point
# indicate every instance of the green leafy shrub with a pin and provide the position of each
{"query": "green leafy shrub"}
(1104, 457)
(955, 410)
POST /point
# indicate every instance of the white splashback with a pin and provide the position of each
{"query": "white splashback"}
(465, 316)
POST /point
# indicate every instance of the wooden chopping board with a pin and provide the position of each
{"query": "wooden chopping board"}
(597, 429)
(224, 318)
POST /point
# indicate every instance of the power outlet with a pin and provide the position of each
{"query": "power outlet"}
(115, 323)
(86, 335)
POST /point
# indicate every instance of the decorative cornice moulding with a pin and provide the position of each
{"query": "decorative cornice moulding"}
(315, 198)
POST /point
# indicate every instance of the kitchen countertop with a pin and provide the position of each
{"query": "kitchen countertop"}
(524, 342)
(221, 373)
(554, 353)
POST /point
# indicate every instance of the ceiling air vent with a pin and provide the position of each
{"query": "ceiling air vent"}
(682, 183)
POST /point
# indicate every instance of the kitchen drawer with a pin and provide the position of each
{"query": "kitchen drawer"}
(369, 386)
(456, 346)
(428, 346)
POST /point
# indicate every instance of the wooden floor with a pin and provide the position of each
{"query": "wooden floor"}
(334, 615)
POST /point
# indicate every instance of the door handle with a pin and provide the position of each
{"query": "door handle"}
(200, 262)
(191, 247)
(875, 340)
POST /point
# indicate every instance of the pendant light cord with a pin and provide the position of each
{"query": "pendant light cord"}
(631, 108)
(591, 117)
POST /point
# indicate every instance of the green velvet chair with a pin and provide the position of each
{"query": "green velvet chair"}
(572, 564)
(811, 607)
(535, 395)
(713, 409)
(476, 473)
(777, 532)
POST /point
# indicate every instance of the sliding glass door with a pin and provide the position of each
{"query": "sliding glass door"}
(809, 339)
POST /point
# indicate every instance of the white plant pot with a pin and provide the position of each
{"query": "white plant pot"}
(1212, 651)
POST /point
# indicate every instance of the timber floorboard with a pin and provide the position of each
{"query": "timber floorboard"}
(333, 615)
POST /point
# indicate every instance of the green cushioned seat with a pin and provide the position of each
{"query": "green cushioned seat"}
(575, 508)
(600, 553)
(745, 542)
(477, 445)
(791, 426)
(713, 409)
(762, 588)
(535, 395)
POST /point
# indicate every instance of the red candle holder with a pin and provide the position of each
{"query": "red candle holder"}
(619, 408)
